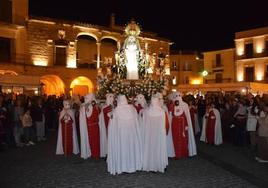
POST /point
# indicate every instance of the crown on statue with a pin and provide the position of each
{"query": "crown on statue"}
(132, 29)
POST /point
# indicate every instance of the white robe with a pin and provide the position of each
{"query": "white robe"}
(124, 141)
(59, 149)
(155, 156)
(218, 132)
(170, 145)
(191, 139)
(103, 135)
(85, 147)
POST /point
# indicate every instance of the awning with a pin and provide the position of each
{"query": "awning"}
(253, 87)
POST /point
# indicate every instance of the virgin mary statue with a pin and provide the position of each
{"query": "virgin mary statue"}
(132, 49)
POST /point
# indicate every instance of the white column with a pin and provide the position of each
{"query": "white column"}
(118, 45)
(98, 54)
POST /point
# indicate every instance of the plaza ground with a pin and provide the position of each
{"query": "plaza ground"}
(215, 166)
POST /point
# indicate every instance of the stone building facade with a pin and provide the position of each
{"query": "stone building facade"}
(186, 68)
(58, 56)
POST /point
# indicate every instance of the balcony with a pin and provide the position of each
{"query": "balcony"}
(217, 64)
(174, 69)
(263, 54)
(86, 63)
(59, 60)
(213, 81)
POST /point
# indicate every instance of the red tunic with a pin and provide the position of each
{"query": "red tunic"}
(167, 123)
(106, 110)
(138, 108)
(210, 128)
(94, 132)
(67, 136)
(171, 107)
(192, 113)
(180, 136)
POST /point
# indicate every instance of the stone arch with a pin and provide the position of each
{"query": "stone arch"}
(8, 72)
(86, 50)
(81, 85)
(108, 49)
(52, 85)
(87, 34)
(109, 37)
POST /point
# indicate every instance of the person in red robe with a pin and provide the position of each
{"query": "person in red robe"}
(107, 110)
(67, 137)
(105, 116)
(89, 128)
(210, 129)
(193, 113)
(179, 128)
(211, 132)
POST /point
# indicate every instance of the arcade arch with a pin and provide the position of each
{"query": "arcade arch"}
(81, 86)
(52, 85)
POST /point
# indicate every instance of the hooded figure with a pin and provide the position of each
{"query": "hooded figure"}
(211, 131)
(105, 116)
(67, 137)
(124, 139)
(89, 127)
(168, 118)
(155, 156)
(182, 129)
(140, 103)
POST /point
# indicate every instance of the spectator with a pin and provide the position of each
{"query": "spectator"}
(18, 130)
(262, 140)
(3, 120)
(27, 127)
(38, 116)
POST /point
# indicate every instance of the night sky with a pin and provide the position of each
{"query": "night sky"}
(192, 25)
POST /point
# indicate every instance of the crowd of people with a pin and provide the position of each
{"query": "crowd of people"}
(131, 134)
(26, 120)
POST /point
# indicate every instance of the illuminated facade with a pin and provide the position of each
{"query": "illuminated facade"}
(220, 66)
(185, 68)
(61, 56)
(240, 69)
(252, 55)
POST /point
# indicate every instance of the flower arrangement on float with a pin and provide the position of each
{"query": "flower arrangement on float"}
(117, 86)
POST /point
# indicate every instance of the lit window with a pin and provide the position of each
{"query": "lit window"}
(174, 80)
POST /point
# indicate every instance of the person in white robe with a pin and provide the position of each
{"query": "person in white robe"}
(170, 145)
(140, 104)
(191, 140)
(85, 108)
(105, 117)
(155, 156)
(67, 115)
(124, 139)
(217, 130)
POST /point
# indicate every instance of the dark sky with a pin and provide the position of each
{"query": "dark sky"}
(192, 25)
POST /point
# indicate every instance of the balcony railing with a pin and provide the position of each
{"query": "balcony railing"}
(86, 63)
(213, 81)
(23, 59)
(254, 55)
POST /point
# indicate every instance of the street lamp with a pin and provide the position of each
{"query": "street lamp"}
(204, 73)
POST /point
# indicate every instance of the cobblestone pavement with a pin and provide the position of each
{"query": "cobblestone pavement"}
(38, 166)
